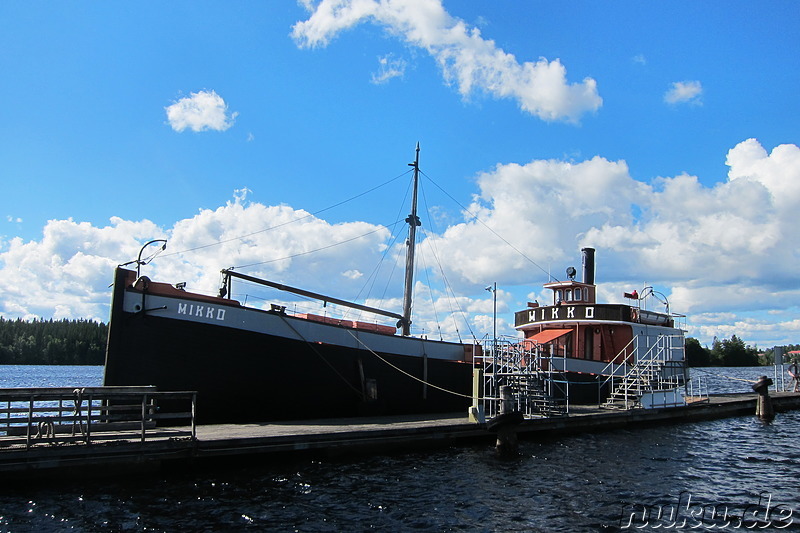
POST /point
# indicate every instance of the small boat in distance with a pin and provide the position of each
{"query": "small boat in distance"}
(253, 365)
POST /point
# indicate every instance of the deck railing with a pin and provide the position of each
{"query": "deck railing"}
(643, 369)
(91, 415)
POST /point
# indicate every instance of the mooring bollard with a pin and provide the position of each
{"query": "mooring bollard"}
(505, 423)
(764, 409)
(506, 400)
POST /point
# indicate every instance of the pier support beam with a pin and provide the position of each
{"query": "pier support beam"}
(475, 411)
(505, 423)
(764, 409)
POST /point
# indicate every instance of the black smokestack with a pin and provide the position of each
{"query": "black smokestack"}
(588, 265)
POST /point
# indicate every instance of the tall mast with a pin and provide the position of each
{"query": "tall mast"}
(413, 222)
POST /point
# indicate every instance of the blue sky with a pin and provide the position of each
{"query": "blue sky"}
(663, 134)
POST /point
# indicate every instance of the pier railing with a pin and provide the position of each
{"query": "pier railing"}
(697, 390)
(57, 416)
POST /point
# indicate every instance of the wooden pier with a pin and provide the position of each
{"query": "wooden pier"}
(50, 430)
(115, 440)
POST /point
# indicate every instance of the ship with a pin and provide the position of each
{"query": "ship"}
(251, 364)
(574, 350)
(259, 364)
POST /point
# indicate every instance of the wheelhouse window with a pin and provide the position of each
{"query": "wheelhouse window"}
(568, 295)
(558, 296)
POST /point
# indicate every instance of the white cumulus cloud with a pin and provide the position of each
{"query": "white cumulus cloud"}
(66, 274)
(201, 111)
(725, 253)
(684, 92)
(467, 59)
(732, 246)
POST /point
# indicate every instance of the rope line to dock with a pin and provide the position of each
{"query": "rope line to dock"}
(370, 350)
(314, 349)
(724, 376)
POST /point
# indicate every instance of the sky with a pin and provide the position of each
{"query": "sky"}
(275, 137)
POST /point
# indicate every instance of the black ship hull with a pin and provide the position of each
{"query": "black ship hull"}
(301, 372)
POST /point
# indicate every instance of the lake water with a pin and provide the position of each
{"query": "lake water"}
(608, 481)
(50, 376)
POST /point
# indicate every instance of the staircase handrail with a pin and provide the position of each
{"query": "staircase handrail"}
(613, 366)
(647, 373)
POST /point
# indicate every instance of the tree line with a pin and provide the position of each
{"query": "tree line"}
(769, 355)
(83, 342)
(52, 342)
(725, 352)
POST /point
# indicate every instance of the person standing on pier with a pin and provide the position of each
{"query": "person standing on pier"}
(794, 371)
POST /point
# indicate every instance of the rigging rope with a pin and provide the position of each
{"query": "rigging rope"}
(724, 376)
(315, 213)
(314, 349)
(433, 299)
(370, 350)
(379, 228)
(520, 252)
(373, 277)
(452, 296)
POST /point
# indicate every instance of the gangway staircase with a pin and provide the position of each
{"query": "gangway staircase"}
(654, 374)
(519, 365)
(531, 395)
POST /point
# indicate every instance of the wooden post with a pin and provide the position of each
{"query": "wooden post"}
(505, 423)
(425, 376)
(30, 421)
(764, 409)
(144, 408)
(89, 418)
(476, 414)
(194, 414)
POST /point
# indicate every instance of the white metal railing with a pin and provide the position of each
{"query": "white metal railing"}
(644, 370)
(697, 389)
(532, 375)
(617, 367)
(680, 321)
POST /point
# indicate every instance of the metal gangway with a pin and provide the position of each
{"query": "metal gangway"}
(648, 372)
(536, 378)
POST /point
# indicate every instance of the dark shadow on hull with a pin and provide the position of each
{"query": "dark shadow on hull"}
(242, 376)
